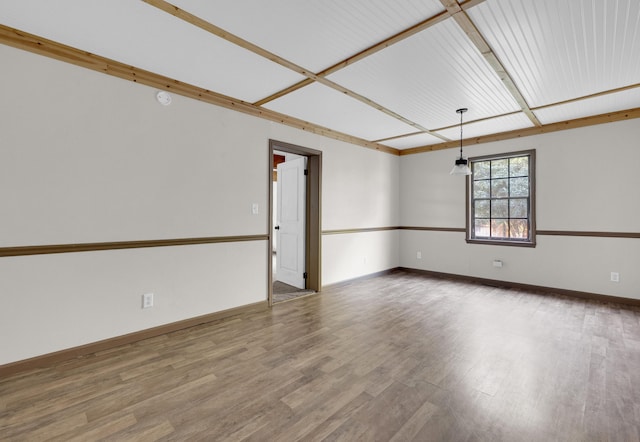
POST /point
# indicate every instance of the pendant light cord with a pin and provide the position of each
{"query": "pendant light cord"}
(461, 111)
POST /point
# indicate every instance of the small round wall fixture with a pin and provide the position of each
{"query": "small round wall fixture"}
(164, 98)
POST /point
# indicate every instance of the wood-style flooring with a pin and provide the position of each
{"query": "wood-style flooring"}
(400, 357)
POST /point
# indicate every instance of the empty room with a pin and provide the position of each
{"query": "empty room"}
(408, 220)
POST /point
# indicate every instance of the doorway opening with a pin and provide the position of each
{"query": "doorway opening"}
(294, 221)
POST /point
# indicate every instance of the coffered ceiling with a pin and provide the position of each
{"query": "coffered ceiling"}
(386, 74)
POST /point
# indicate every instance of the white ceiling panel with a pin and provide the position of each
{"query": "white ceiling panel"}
(163, 44)
(428, 76)
(486, 127)
(603, 104)
(313, 34)
(329, 108)
(559, 50)
(412, 141)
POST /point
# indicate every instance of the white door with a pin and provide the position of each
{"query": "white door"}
(290, 233)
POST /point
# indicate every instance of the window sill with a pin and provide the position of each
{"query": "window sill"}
(493, 242)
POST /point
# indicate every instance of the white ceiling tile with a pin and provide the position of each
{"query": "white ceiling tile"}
(413, 141)
(428, 76)
(140, 35)
(558, 50)
(313, 34)
(329, 108)
(603, 104)
(486, 127)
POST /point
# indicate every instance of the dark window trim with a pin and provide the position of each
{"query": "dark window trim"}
(532, 190)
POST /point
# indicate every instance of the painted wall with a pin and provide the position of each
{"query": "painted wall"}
(587, 180)
(85, 157)
(348, 256)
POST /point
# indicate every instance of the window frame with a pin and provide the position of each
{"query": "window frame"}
(531, 241)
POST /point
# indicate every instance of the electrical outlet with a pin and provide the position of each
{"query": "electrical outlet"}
(147, 300)
(615, 277)
(419, 255)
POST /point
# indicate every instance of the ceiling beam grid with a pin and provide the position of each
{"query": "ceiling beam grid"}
(476, 38)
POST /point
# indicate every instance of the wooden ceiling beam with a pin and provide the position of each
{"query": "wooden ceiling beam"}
(558, 103)
(397, 38)
(536, 130)
(219, 32)
(474, 35)
(362, 54)
(534, 109)
(32, 43)
(283, 92)
(470, 4)
(585, 97)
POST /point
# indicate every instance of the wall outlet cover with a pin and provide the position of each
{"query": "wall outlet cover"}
(615, 277)
(147, 300)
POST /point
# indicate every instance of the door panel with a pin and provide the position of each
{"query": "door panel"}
(290, 237)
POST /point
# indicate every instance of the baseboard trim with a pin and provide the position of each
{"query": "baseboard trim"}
(358, 278)
(535, 288)
(49, 359)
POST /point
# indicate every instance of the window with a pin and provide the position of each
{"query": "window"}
(500, 198)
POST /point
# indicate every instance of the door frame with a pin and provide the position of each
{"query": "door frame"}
(313, 230)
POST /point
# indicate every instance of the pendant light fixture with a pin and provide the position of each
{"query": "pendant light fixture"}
(462, 164)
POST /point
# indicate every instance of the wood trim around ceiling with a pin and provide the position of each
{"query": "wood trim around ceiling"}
(402, 35)
(363, 54)
(470, 4)
(101, 246)
(586, 97)
(283, 92)
(476, 38)
(628, 114)
(219, 32)
(42, 46)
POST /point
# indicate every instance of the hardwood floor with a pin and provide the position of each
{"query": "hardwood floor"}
(397, 357)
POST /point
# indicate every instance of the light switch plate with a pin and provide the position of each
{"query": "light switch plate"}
(147, 300)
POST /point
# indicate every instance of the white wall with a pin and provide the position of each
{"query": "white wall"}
(587, 180)
(348, 256)
(85, 157)
(360, 189)
(52, 302)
